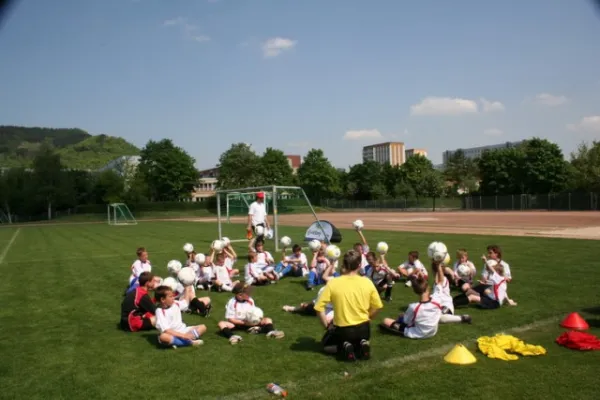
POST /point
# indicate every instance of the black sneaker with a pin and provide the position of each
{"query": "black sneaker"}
(466, 319)
(349, 352)
(207, 311)
(365, 349)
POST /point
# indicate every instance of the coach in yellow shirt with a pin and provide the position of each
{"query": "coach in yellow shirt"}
(355, 302)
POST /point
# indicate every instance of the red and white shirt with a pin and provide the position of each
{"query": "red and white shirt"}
(170, 318)
(138, 267)
(422, 319)
(238, 309)
(441, 294)
(498, 291)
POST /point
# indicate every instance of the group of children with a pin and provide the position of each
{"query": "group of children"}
(215, 271)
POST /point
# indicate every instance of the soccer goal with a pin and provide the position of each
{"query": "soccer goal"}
(233, 205)
(120, 214)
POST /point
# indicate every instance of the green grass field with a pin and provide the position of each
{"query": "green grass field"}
(62, 286)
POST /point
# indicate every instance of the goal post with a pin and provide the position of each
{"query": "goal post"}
(120, 214)
(278, 200)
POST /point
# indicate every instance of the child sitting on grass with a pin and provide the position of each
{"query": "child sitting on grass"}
(412, 266)
(461, 281)
(295, 264)
(236, 312)
(495, 292)
(318, 266)
(441, 295)
(254, 274)
(137, 308)
(172, 330)
(421, 319)
(382, 276)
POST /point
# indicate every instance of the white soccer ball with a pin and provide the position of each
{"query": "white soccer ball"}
(285, 242)
(170, 282)
(439, 256)
(200, 259)
(436, 247)
(254, 316)
(218, 245)
(188, 247)
(382, 248)
(174, 266)
(447, 260)
(333, 252)
(358, 225)
(269, 234)
(463, 271)
(314, 245)
(226, 241)
(186, 276)
(259, 231)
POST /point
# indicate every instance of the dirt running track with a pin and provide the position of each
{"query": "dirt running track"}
(579, 225)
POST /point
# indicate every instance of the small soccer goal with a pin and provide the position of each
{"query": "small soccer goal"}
(120, 214)
(287, 204)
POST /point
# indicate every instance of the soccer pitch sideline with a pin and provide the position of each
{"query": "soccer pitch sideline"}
(62, 287)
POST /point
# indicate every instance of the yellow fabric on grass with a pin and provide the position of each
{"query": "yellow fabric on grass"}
(504, 347)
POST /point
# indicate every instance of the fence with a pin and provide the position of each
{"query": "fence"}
(521, 202)
(402, 204)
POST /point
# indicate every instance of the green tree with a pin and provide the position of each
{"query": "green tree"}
(318, 177)
(586, 167)
(369, 180)
(545, 169)
(16, 192)
(49, 178)
(392, 176)
(239, 167)
(275, 169)
(137, 190)
(169, 171)
(461, 172)
(414, 169)
(110, 187)
(501, 172)
(432, 185)
(403, 190)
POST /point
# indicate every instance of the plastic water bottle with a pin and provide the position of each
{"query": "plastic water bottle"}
(277, 390)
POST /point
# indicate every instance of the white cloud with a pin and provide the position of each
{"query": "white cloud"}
(362, 134)
(189, 30)
(443, 106)
(493, 132)
(275, 46)
(587, 124)
(550, 100)
(491, 106)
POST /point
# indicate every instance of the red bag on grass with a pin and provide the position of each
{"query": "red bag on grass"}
(579, 341)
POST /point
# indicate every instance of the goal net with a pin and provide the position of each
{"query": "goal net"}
(286, 206)
(120, 214)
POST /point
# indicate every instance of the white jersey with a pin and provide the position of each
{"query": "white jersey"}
(264, 259)
(229, 263)
(179, 290)
(138, 267)
(258, 211)
(377, 275)
(441, 294)
(498, 292)
(422, 319)
(485, 273)
(238, 309)
(206, 274)
(252, 272)
(195, 267)
(170, 318)
(222, 274)
(300, 261)
(416, 266)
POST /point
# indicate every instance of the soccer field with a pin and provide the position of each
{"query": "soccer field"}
(62, 287)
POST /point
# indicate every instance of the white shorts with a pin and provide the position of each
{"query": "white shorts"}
(250, 280)
(228, 287)
(268, 268)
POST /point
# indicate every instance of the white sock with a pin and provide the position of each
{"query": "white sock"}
(450, 319)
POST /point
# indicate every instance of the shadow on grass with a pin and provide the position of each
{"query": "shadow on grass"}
(594, 323)
(592, 310)
(307, 344)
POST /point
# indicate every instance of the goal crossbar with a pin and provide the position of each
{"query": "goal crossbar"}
(273, 191)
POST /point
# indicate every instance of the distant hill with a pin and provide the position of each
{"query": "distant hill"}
(78, 149)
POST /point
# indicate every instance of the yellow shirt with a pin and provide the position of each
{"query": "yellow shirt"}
(352, 296)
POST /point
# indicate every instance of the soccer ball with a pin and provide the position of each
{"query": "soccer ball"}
(382, 247)
(200, 259)
(269, 234)
(170, 282)
(463, 270)
(439, 256)
(437, 247)
(218, 245)
(254, 316)
(259, 231)
(226, 241)
(286, 241)
(358, 225)
(447, 259)
(186, 276)
(188, 247)
(174, 267)
(314, 245)
(333, 252)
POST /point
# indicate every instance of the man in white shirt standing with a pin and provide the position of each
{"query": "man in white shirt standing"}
(257, 215)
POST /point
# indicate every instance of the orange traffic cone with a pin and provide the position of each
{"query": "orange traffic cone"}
(460, 355)
(575, 321)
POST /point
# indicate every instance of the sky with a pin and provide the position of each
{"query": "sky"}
(302, 74)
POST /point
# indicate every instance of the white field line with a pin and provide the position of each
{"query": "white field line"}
(9, 245)
(359, 369)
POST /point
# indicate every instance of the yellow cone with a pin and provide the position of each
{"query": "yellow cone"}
(460, 355)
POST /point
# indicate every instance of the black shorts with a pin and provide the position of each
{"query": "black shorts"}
(354, 334)
(397, 328)
(481, 288)
(488, 304)
(308, 310)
